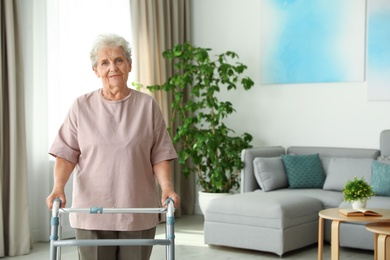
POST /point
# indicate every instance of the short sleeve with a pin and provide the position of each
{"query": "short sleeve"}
(162, 149)
(66, 144)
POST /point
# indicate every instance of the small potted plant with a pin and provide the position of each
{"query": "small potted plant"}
(357, 191)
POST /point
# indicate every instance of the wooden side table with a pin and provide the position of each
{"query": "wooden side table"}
(336, 217)
(381, 233)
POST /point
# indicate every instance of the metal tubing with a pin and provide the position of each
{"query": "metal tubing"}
(170, 232)
(112, 242)
(54, 228)
(55, 240)
(98, 210)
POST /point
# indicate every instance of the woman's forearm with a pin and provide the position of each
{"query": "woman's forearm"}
(162, 171)
(62, 171)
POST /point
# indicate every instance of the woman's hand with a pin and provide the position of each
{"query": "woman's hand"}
(170, 194)
(56, 194)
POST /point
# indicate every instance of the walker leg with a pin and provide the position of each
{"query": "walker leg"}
(170, 232)
(54, 228)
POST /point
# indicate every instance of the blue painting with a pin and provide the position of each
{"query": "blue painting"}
(306, 41)
(378, 50)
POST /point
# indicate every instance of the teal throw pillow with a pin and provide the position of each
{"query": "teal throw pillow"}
(380, 179)
(304, 171)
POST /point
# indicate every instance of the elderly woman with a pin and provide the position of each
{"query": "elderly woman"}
(115, 140)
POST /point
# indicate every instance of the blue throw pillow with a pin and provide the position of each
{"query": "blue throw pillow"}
(304, 171)
(380, 179)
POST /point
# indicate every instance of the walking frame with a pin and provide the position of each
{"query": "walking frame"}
(55, 237)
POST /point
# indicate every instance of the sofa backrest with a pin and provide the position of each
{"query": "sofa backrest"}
(248, 179)
(328, 152)
(341, 164)
(335, 151)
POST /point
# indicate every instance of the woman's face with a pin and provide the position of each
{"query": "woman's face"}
(113, 68)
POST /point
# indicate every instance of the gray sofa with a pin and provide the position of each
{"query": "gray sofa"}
(275, 213)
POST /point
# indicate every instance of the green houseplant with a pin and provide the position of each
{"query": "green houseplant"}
(357, 191)
(208, 147)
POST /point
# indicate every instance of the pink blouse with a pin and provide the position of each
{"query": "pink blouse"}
(115, 145)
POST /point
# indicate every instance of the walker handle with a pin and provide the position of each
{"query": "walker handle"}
(56, 206)
(169, 200)
(170, 207)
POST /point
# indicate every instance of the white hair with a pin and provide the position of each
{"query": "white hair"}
(108, 40)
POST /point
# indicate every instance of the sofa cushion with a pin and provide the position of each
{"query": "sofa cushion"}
(304, 171)
(270, 173)
(342, 169)
(380, 179)
(328, 199)
(264, 209)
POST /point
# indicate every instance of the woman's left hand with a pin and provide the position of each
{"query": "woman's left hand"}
(170, 193)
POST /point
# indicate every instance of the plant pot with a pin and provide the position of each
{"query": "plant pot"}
(206, 197)
(359, 204)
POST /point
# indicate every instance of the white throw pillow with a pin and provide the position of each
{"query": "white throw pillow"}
(342, 169)
(270, 173)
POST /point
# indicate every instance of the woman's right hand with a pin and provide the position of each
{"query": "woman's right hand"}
(56, 194)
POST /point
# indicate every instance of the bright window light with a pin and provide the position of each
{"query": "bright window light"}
(72, 27)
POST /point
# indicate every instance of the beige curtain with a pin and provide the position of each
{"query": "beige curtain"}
(15, 236)
(157, 25)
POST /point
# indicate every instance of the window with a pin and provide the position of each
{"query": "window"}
(72, 27)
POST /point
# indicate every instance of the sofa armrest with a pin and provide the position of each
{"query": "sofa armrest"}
(248, 180)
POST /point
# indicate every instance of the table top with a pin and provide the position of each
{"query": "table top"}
(379, 228)
(334, 214)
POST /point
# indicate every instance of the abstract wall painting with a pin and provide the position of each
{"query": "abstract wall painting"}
(378, 50)
(312, 41)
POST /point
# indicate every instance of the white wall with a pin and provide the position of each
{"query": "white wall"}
(327, 114)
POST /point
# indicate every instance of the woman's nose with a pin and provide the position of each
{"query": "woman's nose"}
(113, 67)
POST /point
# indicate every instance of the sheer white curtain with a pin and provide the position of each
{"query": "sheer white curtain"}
(63, 32)
(72, 27)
